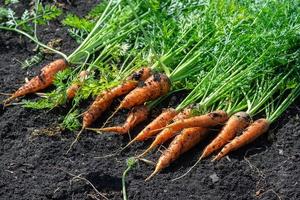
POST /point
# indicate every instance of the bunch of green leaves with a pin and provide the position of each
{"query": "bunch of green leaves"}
(246, 49)
(26, 21)
(7, 2)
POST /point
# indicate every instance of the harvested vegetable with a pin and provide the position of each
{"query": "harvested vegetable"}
(233, 126)
(154, 87)
(167, 133)
(261, 126)
(215, 118)
(41, 81)
(183, 142)
(104, 100)
(256, 129)
(137, 115)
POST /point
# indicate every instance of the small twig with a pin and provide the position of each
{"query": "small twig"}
(273, 191)
(84, 179)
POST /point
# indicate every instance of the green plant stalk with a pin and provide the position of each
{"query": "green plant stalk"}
(33, 39)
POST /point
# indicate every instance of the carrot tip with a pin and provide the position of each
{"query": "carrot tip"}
(153, 174)
(98, 130)
(216, 158)
(129, 143)
(145, 152)
(202, 157)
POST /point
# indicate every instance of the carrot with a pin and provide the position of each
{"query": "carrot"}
(151, 129)
(155, 86)
(182, 143)
(234, 125)
(136, 115)
(73, 89)
(41, 81)
(211, 119)
(104, 100)
(167, 133)
(253, 131)
(159, 122)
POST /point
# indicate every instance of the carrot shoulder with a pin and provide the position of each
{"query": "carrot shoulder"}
(208, 120)
(41, 81)
(183, 142)
(256, 129)
(155, 86)
(104, 100)
(234, 125)
(135, 116)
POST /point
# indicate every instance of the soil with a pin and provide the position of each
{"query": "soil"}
(36, 167)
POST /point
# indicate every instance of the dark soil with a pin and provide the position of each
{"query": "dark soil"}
(36, 167)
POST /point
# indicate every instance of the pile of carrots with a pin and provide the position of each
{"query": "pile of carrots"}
(228, 91)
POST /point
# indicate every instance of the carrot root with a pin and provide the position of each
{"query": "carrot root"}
(253, 131)
(234, 125)
(41, 81)
(104, 100)
(155, 86)
(183, 142)
(208, 120)
(156, 171)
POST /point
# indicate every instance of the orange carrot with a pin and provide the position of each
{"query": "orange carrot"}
(234, 125)
(183, 142)
(253, 131)
(159, 122)
(135, 116)
(151, 129)
(208, 120)
(73, 89)
(155, 86)
(104, 100)
(41, 81)
(167, 133)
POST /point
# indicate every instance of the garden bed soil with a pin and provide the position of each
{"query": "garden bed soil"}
(37, 167)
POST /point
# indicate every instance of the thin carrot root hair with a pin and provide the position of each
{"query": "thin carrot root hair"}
(152, 146)
(76, 140)
(235, 125)
(256, 129)
(110, 117)
(5, 94)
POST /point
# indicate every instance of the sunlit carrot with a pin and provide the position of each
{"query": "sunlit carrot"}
(73, 89)
(135, 116)
(104, 100)
(208, 120)
(234, 126)
(183, 142)
(161, 121)
(155, 86)
(167, 133)
(41, 81)
(256, 129)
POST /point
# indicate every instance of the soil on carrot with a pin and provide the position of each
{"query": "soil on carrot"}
(34, 165)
